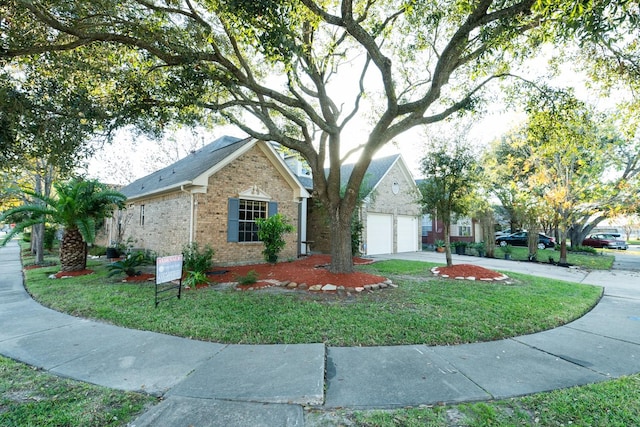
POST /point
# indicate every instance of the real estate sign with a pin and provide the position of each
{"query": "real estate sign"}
(168, 268)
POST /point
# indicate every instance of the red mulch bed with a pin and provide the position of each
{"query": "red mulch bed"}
(62, 274)
(469, 270)
(34, 266)
(139, 278)
(311, 270)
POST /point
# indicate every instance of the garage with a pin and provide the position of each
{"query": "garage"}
(407, 233)
(379, 234)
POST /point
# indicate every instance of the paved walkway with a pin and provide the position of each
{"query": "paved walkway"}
(209, 384)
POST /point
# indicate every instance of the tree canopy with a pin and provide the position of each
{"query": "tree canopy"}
(451, 178)
(325, 78)
(77, 205)
(565, 168)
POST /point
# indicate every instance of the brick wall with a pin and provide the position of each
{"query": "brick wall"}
(253, 169)
(166, 223)
(166, 218)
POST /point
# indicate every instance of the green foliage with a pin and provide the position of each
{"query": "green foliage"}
(33, 397)
(197, 259)
(250, 278)
(286, 64)
(129, 265)
(451, 175)
(270, 233)
(97, 250)
(194, 278)
(49, 237)
(422, 310)
(78, 203)
(580, 248)
(356, 234)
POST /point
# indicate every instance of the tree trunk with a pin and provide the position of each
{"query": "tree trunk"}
(37, 230)
(37, 242)
(73, 251)
(562, 236)
(341, 255)
(532, 242)
(563, 252)
(578, 232)
(447, 243)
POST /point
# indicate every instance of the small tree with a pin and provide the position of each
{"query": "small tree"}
(77, 206)
(270, 232)
(451, 176)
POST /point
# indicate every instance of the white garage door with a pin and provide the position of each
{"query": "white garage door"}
(379, 234)
(407, 233)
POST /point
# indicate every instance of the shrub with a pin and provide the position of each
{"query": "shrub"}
(129, 264)
(97, 250)
(194, 278)
(270, 232)
(49, 237)
(579, 248)
(249, 279)
(356, 235)
(197, 259)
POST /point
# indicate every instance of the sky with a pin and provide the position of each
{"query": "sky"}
(132, 156)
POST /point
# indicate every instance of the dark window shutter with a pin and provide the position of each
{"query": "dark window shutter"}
(273, 209)
(232, 220)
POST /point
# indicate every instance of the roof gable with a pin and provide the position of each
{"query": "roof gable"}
(195, 168)
(185, 170)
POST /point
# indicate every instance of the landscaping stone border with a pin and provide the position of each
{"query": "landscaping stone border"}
(436, 272)
(387, 284)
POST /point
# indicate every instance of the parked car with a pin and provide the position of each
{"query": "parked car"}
(521, 238)
(503, 233)
(601, 240)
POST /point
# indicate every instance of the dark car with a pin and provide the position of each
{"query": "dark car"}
(521, 239)
(601, 240)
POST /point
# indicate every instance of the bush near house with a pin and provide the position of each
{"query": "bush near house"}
(271, 232)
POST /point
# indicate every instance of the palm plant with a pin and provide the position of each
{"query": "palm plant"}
(77, 205)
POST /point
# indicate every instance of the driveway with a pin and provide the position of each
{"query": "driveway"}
(628, 260)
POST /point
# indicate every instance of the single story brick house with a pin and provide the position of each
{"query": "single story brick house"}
(390, 212)
(213, 196)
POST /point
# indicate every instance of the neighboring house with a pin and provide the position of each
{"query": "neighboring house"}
(213, 197)
(463, 229)
(390, 211)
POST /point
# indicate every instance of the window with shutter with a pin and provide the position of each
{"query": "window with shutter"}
(243, 213)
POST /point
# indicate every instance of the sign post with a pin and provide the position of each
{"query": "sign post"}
(168, 270)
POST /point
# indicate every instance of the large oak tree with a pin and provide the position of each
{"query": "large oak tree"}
(319, 77)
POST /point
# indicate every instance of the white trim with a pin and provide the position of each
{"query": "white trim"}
(254, 193)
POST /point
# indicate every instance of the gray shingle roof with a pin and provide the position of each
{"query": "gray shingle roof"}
(187, 169)
(375, 172)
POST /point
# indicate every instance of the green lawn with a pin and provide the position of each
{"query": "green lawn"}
(606, 404)
(30, 397)
(603, 260)
(422, 310)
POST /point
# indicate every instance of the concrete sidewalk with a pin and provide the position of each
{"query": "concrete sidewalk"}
(209, 384)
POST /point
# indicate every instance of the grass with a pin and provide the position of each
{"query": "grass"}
(30, 397)
(422, 310)
(600, 261)
(610, 403)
